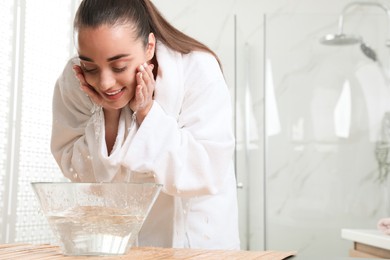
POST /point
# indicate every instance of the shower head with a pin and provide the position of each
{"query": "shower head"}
(340, 39)
(343, 40)
(369, 52)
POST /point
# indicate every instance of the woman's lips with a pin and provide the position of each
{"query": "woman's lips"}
(114, 94)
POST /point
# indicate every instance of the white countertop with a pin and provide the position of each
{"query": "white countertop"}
(370, 237)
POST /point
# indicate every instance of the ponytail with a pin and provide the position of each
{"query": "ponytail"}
(172, 37)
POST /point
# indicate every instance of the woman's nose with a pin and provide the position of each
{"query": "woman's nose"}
(107, 81)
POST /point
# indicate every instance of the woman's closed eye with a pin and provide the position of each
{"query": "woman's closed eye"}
(88, 69)
(119, 70)
(85, 70)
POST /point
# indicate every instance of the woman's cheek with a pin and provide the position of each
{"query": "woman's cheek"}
(130, 80)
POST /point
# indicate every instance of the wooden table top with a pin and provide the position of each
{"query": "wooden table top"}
(45, 251)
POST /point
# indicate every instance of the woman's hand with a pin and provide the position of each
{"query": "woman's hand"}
(143, 98)
(89, 90)
(111, 115)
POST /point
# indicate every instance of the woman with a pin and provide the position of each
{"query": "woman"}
(144, 102)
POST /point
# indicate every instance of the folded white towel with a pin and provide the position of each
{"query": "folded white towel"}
(384, 225)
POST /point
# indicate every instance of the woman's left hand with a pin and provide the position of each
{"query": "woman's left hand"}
(143, 98)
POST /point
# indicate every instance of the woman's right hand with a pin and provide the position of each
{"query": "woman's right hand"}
(88, 89)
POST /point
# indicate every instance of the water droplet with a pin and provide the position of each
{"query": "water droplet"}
(75, 176)
(71, 169)
(184, 212)
(206, 237)
(207, 220)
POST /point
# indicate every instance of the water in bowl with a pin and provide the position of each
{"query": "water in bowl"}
(95, 230)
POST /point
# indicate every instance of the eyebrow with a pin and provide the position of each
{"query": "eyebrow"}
(116, 57)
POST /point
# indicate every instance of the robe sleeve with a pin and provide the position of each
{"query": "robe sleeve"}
(191, 155)
(76, 141)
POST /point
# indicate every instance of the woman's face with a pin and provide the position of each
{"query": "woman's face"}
(109, 57)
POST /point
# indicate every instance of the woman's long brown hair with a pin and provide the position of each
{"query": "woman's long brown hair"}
(143, 15)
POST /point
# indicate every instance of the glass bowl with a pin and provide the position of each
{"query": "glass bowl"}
(96, 218)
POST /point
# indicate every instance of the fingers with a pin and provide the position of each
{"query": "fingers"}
(146, 76)
(79, 74)
(143, 98)
(149, 72)
(146, 84)
(85, 87)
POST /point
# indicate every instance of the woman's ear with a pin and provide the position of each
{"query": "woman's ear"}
(151, 47)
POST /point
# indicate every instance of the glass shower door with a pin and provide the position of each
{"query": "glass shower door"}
(325, 131)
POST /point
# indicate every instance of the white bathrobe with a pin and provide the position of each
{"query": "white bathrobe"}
(185, 143)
